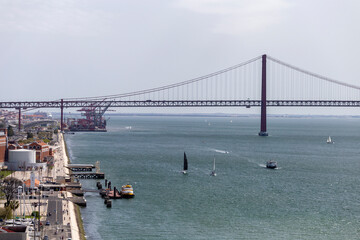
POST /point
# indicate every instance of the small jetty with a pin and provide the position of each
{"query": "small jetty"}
(84, 171)
(77, 192)
(81, 167)
(87, 175)
(114, 193)
(81, 201)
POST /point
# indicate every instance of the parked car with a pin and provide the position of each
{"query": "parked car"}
(47, 223)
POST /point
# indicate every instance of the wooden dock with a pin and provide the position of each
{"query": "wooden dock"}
(77, 192)
(81, 201)
(88, 175)
(80, 167)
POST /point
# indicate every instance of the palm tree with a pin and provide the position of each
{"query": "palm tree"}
(13, 205)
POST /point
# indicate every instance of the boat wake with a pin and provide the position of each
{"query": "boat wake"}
(264, 166)
(220, 151)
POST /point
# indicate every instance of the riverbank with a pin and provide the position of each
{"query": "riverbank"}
(77, 228)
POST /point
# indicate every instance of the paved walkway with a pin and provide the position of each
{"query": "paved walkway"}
(69, 206)
(58, 218)
(56, 209)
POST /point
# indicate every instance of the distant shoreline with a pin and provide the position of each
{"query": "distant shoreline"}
(230, 115)
(56, 115)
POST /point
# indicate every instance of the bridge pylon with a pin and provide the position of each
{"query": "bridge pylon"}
(62, 115)
(19, 119)
(263, 131)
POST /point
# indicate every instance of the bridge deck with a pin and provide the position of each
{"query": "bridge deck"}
(184, 103)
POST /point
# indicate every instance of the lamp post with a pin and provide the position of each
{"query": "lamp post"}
(20, 190)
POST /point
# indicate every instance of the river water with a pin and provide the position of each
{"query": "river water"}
(313, 195)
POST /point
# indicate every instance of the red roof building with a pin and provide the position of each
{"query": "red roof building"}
(42, 150)
(3, 145)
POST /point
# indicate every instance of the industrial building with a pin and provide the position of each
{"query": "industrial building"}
(24, 159)
(43, 151)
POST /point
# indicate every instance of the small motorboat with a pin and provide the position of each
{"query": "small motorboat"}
(127, 191)
(271, 164)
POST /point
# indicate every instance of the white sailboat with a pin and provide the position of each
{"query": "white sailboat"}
(329, 140)
(213, 173)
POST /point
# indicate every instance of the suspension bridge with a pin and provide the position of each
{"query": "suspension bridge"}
(262, 82)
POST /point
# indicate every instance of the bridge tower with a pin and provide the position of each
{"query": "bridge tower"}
(19, 119)
(62, 115)
(263, 98)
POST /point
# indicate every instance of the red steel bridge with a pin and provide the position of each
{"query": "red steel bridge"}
(260, 82)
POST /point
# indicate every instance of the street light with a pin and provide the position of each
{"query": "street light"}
(20, 190)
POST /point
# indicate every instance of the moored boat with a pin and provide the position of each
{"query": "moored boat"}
(127, 191)
(271, 164)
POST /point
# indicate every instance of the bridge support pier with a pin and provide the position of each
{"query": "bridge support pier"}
(19, 119)
(62, 115)
(263, 132)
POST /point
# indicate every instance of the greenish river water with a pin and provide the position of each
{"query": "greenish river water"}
(313, 195)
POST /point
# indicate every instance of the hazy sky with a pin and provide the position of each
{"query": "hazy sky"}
(54, 49)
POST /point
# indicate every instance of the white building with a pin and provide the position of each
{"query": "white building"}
(23, 159)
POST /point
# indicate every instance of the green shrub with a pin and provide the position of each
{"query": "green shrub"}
(35, 214)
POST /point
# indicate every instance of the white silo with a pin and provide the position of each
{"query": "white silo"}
(21, 158)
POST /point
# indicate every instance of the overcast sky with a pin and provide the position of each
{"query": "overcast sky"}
(54, 49)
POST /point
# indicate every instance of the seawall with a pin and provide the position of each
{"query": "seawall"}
(77, 227)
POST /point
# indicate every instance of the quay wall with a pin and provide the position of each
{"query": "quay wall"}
(75, 209)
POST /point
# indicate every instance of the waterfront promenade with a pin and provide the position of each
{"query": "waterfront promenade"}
(69, 207)
(58, 215)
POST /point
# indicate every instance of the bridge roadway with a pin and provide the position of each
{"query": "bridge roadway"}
(180, 103)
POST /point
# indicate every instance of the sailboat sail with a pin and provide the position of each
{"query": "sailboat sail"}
(185, 162)
(213, 173)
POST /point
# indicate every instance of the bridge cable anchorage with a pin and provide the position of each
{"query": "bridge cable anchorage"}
(167, 86)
